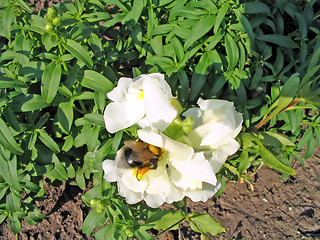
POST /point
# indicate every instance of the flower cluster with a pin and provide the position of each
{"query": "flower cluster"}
(192, 150)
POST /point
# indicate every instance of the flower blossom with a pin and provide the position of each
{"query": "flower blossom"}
(216, 123)
(180, 172)
(145, 100)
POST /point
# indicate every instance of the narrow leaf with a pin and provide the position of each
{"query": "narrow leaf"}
(50, 81)
(7, 140)
(9, 170)
(281, 40)
(48, 141)
(96, 81)
(201, 28)
(272, 161)
(79, 52)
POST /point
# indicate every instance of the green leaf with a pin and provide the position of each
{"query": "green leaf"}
(116, 140)
(34, 217)
(48, 141)
(9, 170)
(65, 115)
(287, 93)
(50, 81)
(7, 18)
(7, 140)
(246, 24)
(80, 178)
(221, 15)
(311, 146)
(95, 118)
(244, 161)
(201, 71)
(31, 186)
(276, 139)
(201, 28)
(96, 81)
(204, 223)
(58, 172)
(232, 52)
(79, 52)
(13, 202)
(6, 82)
(164, 219)
(33, 102)
(14, 224)
(256, 7)
(272, 161)
(24, 5)
(68, 143)
(92, 221)
(3, 216)
(281, 40)
(136, 11)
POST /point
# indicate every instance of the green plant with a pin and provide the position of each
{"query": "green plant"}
(57, 65)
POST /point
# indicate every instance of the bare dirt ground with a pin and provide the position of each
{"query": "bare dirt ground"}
(275, 209)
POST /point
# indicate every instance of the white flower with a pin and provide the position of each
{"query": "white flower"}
(144, 100)
(180, 172)
(216, 124)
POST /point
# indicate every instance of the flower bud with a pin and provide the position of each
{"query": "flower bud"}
(51, 14)
(49, 28)
(56, 21)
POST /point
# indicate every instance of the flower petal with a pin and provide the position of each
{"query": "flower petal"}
(177, 151)
(154, 200)
(132, 183)
(159, 111)
(195, 113)
(118, 116)
(149, 135)
(198, 169)
(131, 196)
(110, 170)
(205, 193)
(118, 93)
(217, 160)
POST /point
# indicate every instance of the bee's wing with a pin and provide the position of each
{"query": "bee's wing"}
(136, 146)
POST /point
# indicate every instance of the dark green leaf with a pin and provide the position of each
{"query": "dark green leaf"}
(79, 52)
(201, 72)
(272, 161)
(48, 141)
(166, 219)
(7, 140)
(204, 223)
(65, 115)
(221, 16)
(95, 118)
(50, 81)
(96, 81)
(281, 40)
(93, 220)
(201, 28)
(9, 170)
(32, 102)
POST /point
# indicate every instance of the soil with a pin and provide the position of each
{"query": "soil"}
(267, 208)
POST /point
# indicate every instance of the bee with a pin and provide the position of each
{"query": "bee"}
(139, 155)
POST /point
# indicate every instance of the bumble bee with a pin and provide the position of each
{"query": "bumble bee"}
(139, 155)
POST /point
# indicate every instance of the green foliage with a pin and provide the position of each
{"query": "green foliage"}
(57, 65)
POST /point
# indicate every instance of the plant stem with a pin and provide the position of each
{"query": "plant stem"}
(268, 118)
